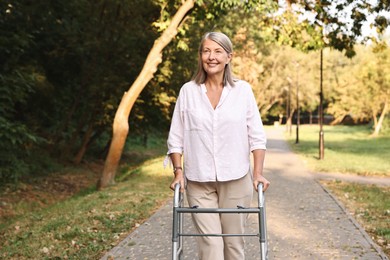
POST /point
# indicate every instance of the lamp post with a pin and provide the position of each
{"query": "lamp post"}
(321, 110)
(289, 110)
(297, 99)
(289, 116)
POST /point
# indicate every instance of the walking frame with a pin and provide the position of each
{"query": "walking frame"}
(179, 210)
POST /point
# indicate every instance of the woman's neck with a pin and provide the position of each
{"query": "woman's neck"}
(214, 82)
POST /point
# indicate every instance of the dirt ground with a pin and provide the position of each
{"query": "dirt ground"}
(36, 193)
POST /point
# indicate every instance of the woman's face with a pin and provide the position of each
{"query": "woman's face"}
(214, 58)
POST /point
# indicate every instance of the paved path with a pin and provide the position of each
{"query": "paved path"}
(303, 220)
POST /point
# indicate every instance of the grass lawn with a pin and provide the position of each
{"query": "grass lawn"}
(369, 205)
(349, 149)
(50, 218)
(90, 223)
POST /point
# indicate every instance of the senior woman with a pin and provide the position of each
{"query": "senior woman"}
(215, 126)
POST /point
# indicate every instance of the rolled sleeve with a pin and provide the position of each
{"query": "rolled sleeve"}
(176, 133)
(256, 134)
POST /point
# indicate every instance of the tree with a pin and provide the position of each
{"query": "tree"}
(120, 125)
(64, 65)
(342, 81)
(376, 81)
(335, 31)
(367, 95)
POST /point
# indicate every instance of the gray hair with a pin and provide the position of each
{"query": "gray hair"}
(224, 41)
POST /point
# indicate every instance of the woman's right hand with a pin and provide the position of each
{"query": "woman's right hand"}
(179, 178)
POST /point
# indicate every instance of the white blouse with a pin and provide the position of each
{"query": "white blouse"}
(216, 143)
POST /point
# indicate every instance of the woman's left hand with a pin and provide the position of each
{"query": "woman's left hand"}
(260, 179)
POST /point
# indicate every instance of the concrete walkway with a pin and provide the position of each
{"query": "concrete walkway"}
(304, 221)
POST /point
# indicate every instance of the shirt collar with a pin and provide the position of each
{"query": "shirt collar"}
(204, 89)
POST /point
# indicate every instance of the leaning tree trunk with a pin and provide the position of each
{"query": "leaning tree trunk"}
(378, 126)
(289, 121)
(86, 140)
(120, 124)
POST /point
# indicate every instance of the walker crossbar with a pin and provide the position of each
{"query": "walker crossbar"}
(179, 210)
(218, 235)
(217, 210)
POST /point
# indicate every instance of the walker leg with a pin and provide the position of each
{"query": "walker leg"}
(262, 224)
(177, 225)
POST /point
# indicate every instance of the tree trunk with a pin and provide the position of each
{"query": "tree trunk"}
(67, 150)
(378, 126)
(86, 140)
(374, 115)
(289, 122)
(65, 123)
(338, 120)
(121, 125)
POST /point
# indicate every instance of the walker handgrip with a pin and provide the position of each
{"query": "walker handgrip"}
(177, 187)
(260, 186)
(261, 194)
(176, 197)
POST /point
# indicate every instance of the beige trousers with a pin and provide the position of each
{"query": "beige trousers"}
(228, 194)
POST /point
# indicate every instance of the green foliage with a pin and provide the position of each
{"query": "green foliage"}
(65, 66)
(361, 86)
(16, 139)
(314, 25)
